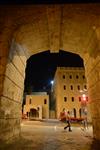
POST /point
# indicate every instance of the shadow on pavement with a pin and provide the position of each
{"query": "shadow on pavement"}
(95, 145)
(16, 144)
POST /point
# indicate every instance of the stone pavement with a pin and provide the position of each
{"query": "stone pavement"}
(50, 135)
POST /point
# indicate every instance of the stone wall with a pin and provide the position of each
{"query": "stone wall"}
(11, 97)
(34, 28)
(92, 66)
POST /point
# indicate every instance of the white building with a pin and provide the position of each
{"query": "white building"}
(37, 105)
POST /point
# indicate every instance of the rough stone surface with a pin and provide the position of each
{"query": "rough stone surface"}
(27, 30)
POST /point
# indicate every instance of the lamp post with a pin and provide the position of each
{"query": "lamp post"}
(52, 102)
(84, 99)
(52, 82)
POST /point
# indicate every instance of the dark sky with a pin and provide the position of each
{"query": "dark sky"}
(42, 66)
(46, 1)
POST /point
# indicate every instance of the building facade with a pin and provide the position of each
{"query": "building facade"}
(37, 105)
(68, 88)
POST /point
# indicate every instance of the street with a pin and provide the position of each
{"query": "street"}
(50, 135)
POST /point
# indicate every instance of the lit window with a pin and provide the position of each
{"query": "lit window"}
(84, 98)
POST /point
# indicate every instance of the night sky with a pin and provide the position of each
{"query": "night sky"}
(46, 1)
(41, 68)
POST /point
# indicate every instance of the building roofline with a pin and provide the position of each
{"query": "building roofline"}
(70, 68)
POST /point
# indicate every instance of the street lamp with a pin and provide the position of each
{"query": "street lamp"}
(52, 102)
(84, 100)
(52, 82)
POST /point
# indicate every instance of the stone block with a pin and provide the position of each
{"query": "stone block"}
(96, 128)
(14, 75)
(95, 105)
(12, 90)
(10, 108)
(9, 128)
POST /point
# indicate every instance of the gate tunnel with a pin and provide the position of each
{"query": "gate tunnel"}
(27, 30)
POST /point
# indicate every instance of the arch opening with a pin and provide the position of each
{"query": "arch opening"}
(38, 80)
(23, 45)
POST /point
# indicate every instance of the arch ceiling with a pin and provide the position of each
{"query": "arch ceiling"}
(71, 27)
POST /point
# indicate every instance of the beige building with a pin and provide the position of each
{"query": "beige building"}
(68, 88)
(37, 105)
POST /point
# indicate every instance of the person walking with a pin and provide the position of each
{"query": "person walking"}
(65, 117)
(68, 121)
(85, 122)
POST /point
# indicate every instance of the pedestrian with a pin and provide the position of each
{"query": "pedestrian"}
(65, 117)
(68, 121)
(84, 121)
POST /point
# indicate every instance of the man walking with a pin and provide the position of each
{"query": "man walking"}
(68, 121)
(65, 117)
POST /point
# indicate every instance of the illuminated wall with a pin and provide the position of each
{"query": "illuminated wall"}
(38, 102)
(69, 82)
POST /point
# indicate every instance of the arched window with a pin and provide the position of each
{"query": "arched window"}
(77, 76)
(72, 99)
(64, 87)
(70, 76)
(74, 111)
(65, 99)
(71, 87)
(63, 76)
(85, 87)
(78, 87)
(83, 77)
(80, 112)
(45, 101)
(30, 101)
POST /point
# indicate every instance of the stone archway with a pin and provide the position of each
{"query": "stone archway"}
(29, 30)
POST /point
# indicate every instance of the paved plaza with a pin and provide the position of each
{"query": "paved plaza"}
(50, 135)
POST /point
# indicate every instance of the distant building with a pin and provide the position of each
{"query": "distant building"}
(67, 87)
(66, 92)
(37, 105)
